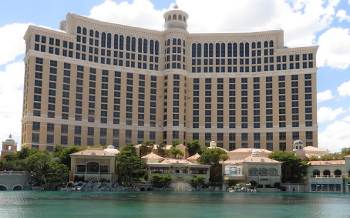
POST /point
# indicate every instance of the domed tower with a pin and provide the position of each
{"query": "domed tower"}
(8, 146)
(175, 50)
(175, 19)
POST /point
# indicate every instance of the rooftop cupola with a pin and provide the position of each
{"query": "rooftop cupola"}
(175, 19)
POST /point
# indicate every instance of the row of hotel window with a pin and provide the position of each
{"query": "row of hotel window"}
(244, 57)
(207, 101)
(102, 133)
(99, 49)
(176, 98)
(79, 83)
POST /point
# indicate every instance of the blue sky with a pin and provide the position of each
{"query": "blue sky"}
(306, 22)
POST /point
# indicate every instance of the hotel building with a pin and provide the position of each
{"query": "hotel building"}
(94, 82)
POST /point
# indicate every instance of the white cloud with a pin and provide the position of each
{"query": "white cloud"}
(336, 135)
(11, 41)
(327, 114)
(138, 13)
(334, 50)
(343, 16)
(344, 89)
(11, 95)
(300, 20)
(324, 96)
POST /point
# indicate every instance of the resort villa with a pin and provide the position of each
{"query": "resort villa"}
(252, 166)
(179, 169)
(94, 164)
(329, 176)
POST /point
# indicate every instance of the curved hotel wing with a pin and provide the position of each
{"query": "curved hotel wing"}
(94, 82)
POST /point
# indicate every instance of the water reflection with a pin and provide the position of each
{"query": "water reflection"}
(154, 205)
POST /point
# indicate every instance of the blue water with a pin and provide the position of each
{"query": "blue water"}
(167, 205)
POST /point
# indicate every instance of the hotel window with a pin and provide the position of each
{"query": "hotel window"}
(79, 93)
(195, 117)
(38, 86)
(232, 141)
(141, 99)
(129, 99)
(207, 103)
(244, 103)
(51, 107)
(104, 96)
(92, 95)
(116, 137)
(220, 103)
(66, 90)
(116, 99)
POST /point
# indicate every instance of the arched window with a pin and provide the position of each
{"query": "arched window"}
(133, 44)
(178, 41)
(78, 29)
(199, 50)
(84, 31)
(97, 34)
(253, 45)
(169, 17)
(174, 17)
(194, 50)
(234, 49)
(109, 40)
(180, 17)
(217, 49)
(103, 39)
(145, 47)
(156, 47)
(121, 42)
(271, 43)
(128, 43)
(246, 49)
(151, 46)
(337, 173)
(223, 50)
(91, 33)
(326, 173)
(185, 19)
(17, 188)
(92, 167)
(266, 44)
(211, 49)
(3, 188)
(139, 45)
(229, 49)
(241, 49)
(115, 41)
(316, 173)
(206, 50)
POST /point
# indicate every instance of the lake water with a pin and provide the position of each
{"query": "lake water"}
(167, 205)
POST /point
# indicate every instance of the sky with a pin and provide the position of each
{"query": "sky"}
(325, 23)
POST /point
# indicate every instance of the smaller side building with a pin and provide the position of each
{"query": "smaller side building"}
(179, 169)
(94, 165)
(329, 176)
(251, 166)
(9, 146)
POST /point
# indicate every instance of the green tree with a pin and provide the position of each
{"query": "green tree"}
(161, 181)
(193, 147)
(63, 154)
(293, 168)
(212, 156)
(130, 167)
(45, 171)
(197, 181)
(175, 152)
(176, 142)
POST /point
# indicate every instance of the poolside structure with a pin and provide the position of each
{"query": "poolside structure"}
(94, 165)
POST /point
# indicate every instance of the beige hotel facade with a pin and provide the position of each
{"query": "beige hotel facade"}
(94, 82)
